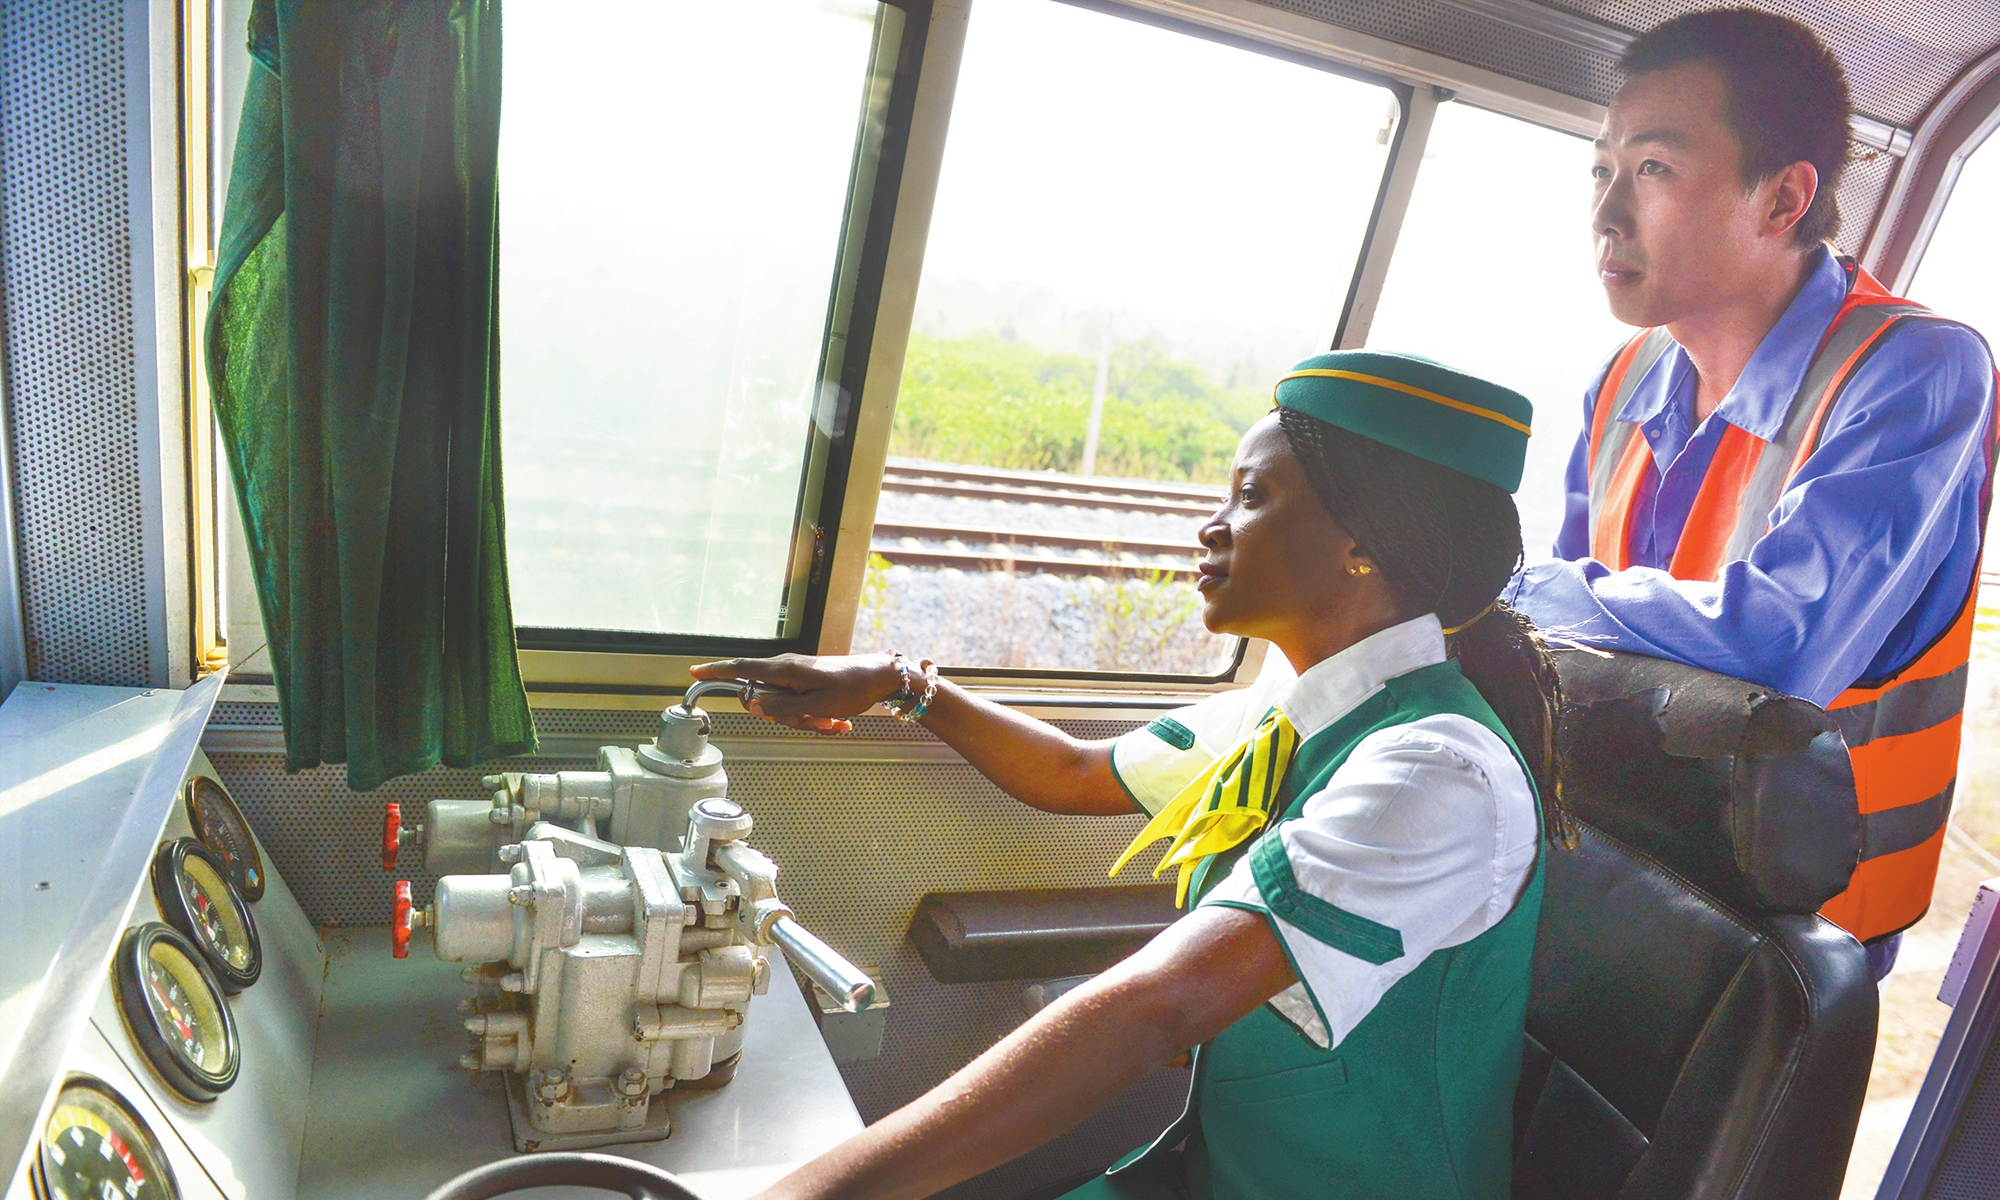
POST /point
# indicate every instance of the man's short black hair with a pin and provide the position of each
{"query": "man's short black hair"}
(1787, 98)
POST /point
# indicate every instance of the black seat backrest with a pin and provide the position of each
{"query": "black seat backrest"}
(1694, 1030)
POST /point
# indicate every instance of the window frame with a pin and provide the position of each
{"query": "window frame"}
(1961, 121)
(195, 25)
(617, 669)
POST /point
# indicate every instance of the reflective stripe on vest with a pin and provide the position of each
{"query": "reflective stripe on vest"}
(1903, 731)
(1617, 453)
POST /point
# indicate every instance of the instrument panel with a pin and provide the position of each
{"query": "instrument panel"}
(94, 1147)
(201, 1038)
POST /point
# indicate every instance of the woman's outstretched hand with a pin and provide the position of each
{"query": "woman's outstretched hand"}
(819, 693)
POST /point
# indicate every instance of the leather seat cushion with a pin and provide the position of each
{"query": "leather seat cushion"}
(1672, 1039)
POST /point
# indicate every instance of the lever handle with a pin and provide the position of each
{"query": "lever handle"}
(399, 920)
(845, 982)
(392, 835)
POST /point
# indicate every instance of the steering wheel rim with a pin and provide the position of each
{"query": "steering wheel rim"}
(640, 1181)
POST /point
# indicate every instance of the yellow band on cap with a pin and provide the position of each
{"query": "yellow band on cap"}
(1418, 392)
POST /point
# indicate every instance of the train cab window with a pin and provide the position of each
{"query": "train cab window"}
(1136, 231)
(686, 224)
(677, 278)
(1501, 210)
(1956, 275)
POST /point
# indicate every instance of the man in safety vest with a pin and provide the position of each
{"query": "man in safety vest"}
(1785, 477)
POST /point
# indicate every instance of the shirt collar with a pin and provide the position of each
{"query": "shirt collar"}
(1331, 689)
(1763, 393)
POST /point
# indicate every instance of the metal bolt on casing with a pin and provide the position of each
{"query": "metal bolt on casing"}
(553, 1087)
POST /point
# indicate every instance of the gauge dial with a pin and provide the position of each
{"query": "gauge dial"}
(172, 1003)
(191, 883)
(95, 1148)
(221, 827)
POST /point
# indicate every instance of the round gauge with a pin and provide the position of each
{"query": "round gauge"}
(191, 883)
(94, 1146)
(221, 827)
(172, 1003)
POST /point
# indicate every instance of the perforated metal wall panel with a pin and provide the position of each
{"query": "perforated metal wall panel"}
(1969, 1168)
(66, 313)
(1862, 190)
(1899, 54)
(1469, 37)
(857, 845)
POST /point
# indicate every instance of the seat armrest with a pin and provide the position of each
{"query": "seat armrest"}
(984, 937)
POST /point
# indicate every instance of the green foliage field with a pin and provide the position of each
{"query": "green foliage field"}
(987, 401)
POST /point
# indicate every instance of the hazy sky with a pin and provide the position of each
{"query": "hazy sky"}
(1957, 273)
(1176, 180)
(1135, 168)
(673, 180)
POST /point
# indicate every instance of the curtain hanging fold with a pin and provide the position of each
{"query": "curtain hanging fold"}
(353, 354)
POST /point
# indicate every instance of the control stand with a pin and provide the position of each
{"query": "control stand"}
(637, 796)
(606, 974)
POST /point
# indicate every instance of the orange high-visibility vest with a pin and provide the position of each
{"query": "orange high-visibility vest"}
(1902, 730)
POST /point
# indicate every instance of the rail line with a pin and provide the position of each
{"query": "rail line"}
(1038, 487)
(999, 548)
(1027, 551)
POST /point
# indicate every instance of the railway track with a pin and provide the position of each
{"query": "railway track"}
(1025, 550)
(1039, 487)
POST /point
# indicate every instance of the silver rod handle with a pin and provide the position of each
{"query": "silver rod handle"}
(741, 689)
(845, 982)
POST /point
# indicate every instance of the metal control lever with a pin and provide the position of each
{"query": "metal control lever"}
(681, 748)
(742, 689)
(842, 980)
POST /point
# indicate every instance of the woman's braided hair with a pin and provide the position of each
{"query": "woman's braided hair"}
(1447, 543)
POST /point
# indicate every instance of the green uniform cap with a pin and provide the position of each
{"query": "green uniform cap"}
(1420, 407)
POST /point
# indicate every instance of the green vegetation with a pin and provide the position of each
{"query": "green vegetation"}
(995, 403)
(1152, 622)
(1138, 621)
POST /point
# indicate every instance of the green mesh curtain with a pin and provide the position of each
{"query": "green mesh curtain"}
(353, 352)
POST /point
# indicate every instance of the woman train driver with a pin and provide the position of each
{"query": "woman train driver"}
(1361, 846)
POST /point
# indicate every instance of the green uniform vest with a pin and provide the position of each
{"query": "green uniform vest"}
(1417, 1101)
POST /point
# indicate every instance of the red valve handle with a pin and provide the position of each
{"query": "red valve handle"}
(392, 834)
(399, 923)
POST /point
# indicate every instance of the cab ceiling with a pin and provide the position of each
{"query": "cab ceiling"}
(1900, 55)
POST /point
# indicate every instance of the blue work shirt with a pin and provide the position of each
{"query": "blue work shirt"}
(1871, 549)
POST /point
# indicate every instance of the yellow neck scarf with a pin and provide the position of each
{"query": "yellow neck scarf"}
(1224, 805)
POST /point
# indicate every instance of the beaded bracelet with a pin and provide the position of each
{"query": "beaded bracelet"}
(904, 697)
(906, 704)
(916, 714)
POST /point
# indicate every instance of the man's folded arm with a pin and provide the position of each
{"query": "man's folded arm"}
(1873, 516)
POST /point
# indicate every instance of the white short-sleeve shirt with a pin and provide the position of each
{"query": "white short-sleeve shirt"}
(1428, 829)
